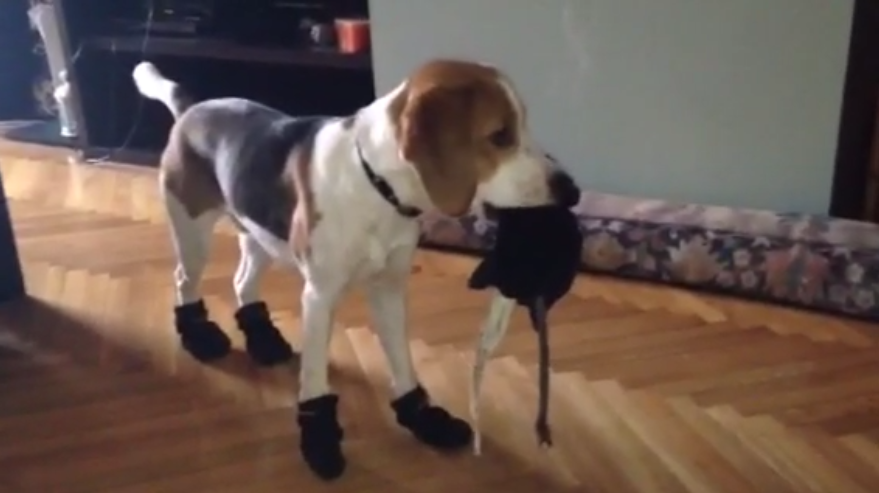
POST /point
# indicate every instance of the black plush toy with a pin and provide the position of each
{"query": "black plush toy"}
(536, 254)
(533, 263)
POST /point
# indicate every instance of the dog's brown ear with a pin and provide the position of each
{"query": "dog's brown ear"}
(435, 134)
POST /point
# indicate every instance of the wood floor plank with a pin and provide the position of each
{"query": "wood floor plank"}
(654, 390)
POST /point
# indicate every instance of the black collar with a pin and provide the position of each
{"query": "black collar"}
(384, 188)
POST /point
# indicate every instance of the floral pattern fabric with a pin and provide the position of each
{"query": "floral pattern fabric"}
(810, 261)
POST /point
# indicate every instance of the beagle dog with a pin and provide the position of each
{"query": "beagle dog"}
(451, 137)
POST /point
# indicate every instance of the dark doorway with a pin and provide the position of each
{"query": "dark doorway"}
(855, 193)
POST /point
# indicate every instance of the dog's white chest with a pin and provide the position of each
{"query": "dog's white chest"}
(379, 243)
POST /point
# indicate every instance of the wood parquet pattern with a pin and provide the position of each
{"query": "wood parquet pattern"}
(655, 390)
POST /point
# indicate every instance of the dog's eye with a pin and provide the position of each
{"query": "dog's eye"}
(502, 138)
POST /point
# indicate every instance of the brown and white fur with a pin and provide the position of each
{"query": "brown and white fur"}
(451, 136)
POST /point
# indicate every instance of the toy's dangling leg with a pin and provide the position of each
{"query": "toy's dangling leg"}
(492, 333)
(537, 311)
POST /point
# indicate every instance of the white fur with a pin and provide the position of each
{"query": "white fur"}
(360, 241)
(153, 85)
(253, 264)
(191, 238)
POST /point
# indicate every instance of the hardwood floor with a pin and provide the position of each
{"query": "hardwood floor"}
(655, 390)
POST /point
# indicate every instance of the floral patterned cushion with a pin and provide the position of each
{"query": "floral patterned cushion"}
(810, 261)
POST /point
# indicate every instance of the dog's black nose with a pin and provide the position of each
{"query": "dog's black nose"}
(564, 189)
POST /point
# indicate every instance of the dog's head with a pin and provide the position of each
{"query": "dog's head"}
(464, 128)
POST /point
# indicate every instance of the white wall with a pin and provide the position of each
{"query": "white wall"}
(731, 102)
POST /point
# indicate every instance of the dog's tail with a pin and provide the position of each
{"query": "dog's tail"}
(153, 85)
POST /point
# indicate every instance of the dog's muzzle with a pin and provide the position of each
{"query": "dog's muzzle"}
(562, 186)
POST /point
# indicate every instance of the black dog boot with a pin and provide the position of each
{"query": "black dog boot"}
(201, 337)
(321, 436)
(265, 344)
(431, 424)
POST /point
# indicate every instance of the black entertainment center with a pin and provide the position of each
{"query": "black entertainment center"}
(18, 63)
(272, 51)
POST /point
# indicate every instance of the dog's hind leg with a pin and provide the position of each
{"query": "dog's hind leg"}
(264, 342)
(191, 236)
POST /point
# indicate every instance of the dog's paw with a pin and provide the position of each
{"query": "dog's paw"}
(264, 342)
(321, 436)
(431, 424)
(200, 337)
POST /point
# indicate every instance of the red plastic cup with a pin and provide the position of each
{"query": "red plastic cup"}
(353, 35)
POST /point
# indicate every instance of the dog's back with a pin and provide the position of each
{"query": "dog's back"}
(230, 153)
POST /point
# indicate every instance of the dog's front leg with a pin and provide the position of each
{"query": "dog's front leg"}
(414, 411)
(321, 436)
